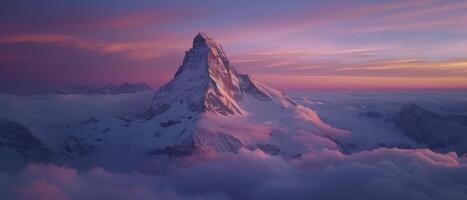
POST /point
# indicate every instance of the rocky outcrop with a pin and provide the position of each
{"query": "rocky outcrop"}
(437, 132)
(78, 146)
(202, 141)
(16, 137)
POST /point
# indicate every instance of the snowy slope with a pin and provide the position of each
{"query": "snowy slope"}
(390, 119)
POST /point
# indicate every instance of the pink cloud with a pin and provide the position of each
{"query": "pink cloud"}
(423, 156)
(41, 190)
(57, 174)
(140, 49)
(34, 38)
(324, 174)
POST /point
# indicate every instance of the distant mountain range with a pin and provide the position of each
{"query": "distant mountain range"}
(124, 88)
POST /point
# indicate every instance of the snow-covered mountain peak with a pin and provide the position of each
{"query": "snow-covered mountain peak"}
(209, 106)
(207, 82)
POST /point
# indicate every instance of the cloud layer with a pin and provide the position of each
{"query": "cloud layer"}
(378, 174)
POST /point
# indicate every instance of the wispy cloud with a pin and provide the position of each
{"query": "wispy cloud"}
(34, 38)
(422, 38)
(145, 48)
(149, 17)
(309, 17)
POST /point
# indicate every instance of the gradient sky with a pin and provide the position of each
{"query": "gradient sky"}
(294, 45)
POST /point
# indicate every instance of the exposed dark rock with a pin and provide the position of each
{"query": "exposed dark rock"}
(297, 156)
(153, 111)
(182, 132)
(290, 101)
(214, 104)
(78, 146)
(202, 141)
(169, 123)
(158, 134)
(184, 149)
(270, 149)
(438, 132)
(179, 71)
(17, 137)
(249, 87)
(126, 119)
(22, 141)
(196, 107)
(372, 114)
(91, 120)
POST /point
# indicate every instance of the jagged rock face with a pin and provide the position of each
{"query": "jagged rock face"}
(205, 82)
(15, 136)
(441, 132)
(249, 87)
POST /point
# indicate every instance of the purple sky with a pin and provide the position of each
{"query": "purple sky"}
(299, 45)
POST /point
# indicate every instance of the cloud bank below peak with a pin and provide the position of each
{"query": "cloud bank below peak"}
(377, 174)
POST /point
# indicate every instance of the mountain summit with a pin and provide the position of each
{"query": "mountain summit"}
(209, 106)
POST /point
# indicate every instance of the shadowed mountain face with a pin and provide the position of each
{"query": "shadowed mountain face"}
(15, 137)
(437, 132)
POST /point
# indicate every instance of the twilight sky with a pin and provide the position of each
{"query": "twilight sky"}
(298, 45)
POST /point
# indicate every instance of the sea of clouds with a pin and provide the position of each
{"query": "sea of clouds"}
(377, 174)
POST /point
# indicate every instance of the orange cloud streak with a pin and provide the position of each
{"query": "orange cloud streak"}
(363, 82)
